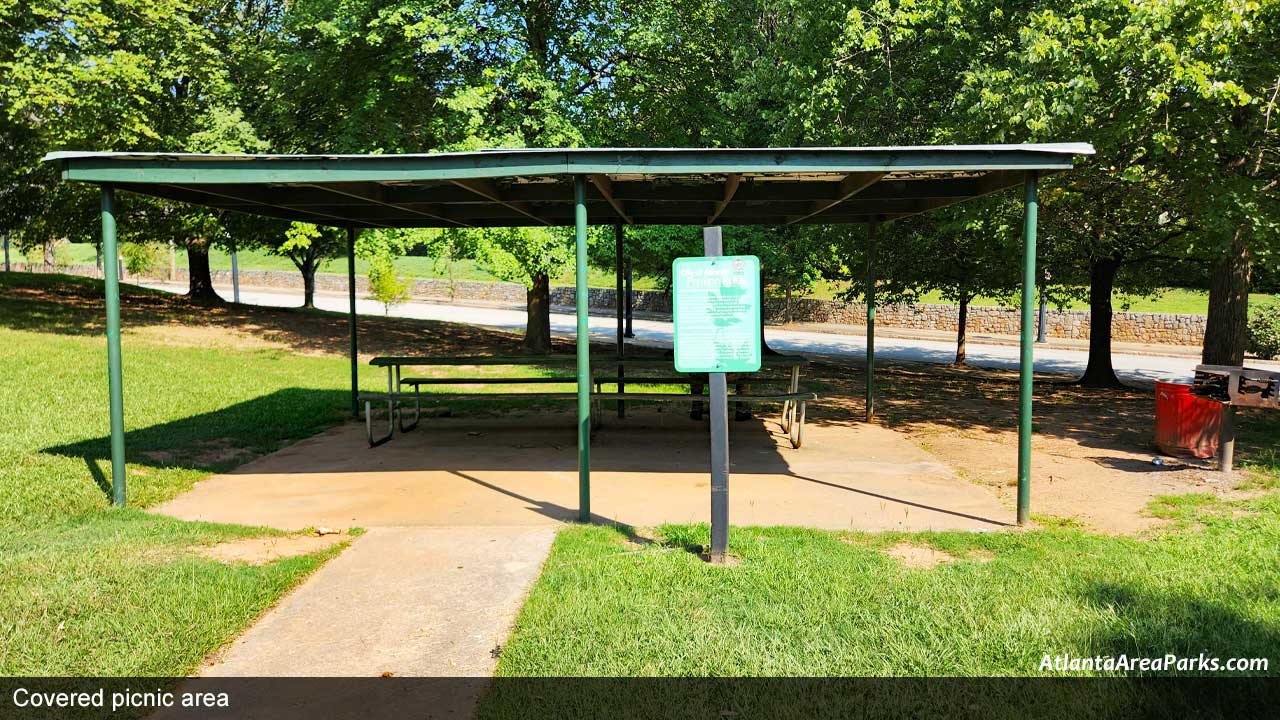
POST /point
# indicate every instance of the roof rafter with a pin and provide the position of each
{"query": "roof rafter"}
(488, 189)
(851, 185)
(605, 186)
(203, 190)
(987, 184)
(731, 181)
(384, 203)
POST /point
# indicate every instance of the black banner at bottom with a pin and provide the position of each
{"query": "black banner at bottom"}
(642, 698)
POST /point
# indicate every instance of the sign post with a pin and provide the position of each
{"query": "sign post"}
(717, 330)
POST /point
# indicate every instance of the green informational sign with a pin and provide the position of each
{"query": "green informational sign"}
(717, 313)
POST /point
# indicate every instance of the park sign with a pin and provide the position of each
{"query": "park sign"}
(717, 313)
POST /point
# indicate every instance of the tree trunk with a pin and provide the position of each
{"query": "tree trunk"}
(537, 333)
(1227, 326)
(309, 284)
(199, 281)
(961, 328)
(787, 310)
(1100, 373)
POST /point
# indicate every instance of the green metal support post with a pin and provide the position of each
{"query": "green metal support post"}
(1026, 362)
(111, 280)
(872, 230)
(619, 240)
(351, 292)
(583, 342)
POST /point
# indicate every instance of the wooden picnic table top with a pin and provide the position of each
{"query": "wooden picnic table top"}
(768, 361)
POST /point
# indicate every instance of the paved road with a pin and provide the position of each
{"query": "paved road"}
(1132, 368)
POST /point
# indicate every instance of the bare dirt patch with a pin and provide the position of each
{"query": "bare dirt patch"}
(919, 557)
(260, 551)
(1091, 450)
(210, 453)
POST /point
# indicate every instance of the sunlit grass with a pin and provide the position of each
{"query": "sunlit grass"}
(816, 603)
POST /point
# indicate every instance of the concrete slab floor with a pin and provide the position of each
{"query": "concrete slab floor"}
(648, 469)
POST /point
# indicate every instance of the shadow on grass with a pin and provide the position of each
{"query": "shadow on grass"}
(1145, 624)
(219, 440)
(70, 305)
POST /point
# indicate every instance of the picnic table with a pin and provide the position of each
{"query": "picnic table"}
(605, 370)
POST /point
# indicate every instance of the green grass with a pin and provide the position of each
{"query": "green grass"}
(413, 267)
(814, 603)
(91, 590)
(86, 589)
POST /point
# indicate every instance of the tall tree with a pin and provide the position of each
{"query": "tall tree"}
(1178, 98)
(131, 75)
(541, 57)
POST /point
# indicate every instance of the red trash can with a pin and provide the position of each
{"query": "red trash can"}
(1186, 424)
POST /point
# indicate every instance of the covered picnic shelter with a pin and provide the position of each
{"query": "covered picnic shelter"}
(577, 187)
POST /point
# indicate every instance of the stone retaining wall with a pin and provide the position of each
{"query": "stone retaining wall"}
(1153, 328)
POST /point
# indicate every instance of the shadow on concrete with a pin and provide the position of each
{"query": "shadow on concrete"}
(902, 501)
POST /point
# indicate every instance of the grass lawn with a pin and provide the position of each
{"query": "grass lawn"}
(95, 591)
(816, 603)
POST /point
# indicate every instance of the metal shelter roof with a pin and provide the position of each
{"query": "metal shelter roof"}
(531, 187)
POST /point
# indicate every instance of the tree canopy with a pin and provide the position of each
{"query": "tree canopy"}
(1179, 97)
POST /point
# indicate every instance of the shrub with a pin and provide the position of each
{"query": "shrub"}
(1264, 331)
(141, 258)
(384, 285)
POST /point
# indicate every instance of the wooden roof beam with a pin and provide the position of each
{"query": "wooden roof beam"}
(204, 190)
(489, 190)
(605, 186)
(993, 181)
(851, 185)
(371, 199)
(731, 182)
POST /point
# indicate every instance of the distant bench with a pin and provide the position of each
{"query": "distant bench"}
(606, 370)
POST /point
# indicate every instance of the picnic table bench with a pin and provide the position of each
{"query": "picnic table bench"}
(605, 370)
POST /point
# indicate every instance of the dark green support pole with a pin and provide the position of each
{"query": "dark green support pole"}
(1026, 363)
(872, 230)
(628, 332)
(583, 341)
(111, 280)
(351, 293)
(619, 241)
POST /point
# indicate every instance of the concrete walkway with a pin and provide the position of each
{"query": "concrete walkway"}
(407, 601)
